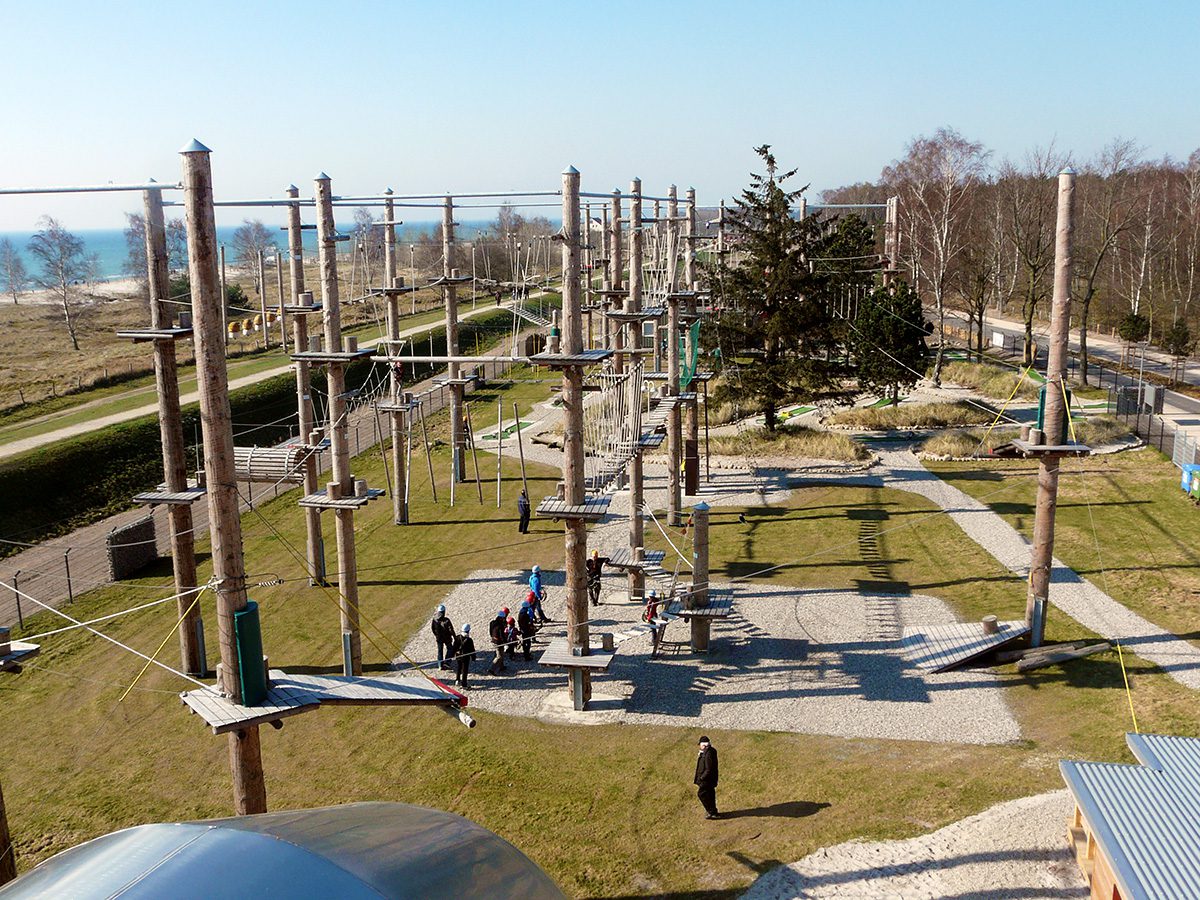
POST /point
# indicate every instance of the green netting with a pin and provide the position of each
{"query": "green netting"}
(687, 366)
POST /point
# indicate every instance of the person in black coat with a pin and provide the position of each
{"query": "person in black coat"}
(496, 629)
(527, 627)
(464, 655)
(594, 568)
(443, 633)
(706, 778)
(523, 509)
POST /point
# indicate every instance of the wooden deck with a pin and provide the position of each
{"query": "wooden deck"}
(447, 381)
(936, 648)
(561, 360)
(1032, 451)
(18, 653)
(364, 691)
(141, 335)
(559, 655)
(592, 510)
(320, 500)
(720, 606)
(185, 497)
(623, 559)
(322, 357)
(644, 314)
(290, 695)
(223, 715)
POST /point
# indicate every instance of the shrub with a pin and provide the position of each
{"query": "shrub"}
(916, 415)
(795, 441)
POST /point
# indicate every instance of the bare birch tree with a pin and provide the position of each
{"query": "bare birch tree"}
(64, 264)
(935, 180)
(12, 269)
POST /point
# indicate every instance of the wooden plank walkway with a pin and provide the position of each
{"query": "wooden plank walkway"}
(320, 500)
(936, 648)
(379, 691)
(593, 509)
(559, 654)
(223, 715)
(623, 559)
(185, 497)
(720, 606)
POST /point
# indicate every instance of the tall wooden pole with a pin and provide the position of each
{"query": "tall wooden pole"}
(633, 303)
(225, 526)
(675, 415)
(616, 277)
(572, 396)
(8, 856)
(314, 542)
(1055, 413)
(170, 427)
(224, 300)
(454, 370)
(399, 444)
(342, 484)
(697, 597)
(282, 303)
(691, 440)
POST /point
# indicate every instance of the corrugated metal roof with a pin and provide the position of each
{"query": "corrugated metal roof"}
(1146, 818)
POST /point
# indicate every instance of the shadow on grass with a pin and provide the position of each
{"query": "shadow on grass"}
(795, 809)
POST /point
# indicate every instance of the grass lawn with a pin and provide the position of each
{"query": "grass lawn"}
(608, 811)
(1149, 553)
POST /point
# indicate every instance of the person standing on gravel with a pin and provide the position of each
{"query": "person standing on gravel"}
(443, 633)
(594, 567)
(496, 630)
(706, 778)
(539, 595)
(527, 627)
(464, 655)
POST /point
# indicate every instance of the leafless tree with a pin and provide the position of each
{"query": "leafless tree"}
(64, 264)
(1109, 210)
(1031, 210)
(12, 269)
(935, 180)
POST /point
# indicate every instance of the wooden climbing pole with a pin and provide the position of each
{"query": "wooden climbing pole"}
(245, 755)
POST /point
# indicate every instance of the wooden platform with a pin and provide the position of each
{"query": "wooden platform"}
(397, 406)
(449, 279)
(447, 381)
(623, 559)
(298, 309)
(394, 291)
(559, 655)
(290, 695)
(223, 715)
(720, 606)
(641, 315)
(936, 648)
(141, 335)
(320, 500)
(561, 360)
(367, 691)
(18, 653)
(652, 441)
(185, 497)
(322, 357)
(1033, 451)
(592, 510)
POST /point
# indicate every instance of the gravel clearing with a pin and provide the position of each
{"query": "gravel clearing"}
(804, 661)
(1016, 850)
(1069, 591)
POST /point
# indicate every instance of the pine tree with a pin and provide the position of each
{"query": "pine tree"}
(887, 341)
(775, 305)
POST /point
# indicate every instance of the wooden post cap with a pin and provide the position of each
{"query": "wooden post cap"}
(990, 625)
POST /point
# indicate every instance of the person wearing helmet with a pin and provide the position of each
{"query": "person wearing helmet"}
(511, 637)
(443, 633)
(496, 629)
(649, 616)
(526, 626)
(464, 655)
(539, 595)
(594, 566)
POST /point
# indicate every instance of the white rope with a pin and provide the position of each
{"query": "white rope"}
(116, 615)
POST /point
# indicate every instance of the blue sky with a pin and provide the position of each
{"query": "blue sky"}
(463, 96)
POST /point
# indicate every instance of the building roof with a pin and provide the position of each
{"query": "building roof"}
(1145, 818)
(361, 850)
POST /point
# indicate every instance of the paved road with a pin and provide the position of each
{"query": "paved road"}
(1107, 350)
(21, 446)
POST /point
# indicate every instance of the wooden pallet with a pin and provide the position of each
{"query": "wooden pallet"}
(720, 606)
(623, 559)
(186, 497)
(592, 509)
(320, 500)
(936, 648)
(558, 655)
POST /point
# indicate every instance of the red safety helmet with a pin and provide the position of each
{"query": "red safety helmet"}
(531, 596)
(510, 620)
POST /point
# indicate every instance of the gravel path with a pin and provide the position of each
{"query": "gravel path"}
(812, 662)
(1015, 850)
(1069, 591)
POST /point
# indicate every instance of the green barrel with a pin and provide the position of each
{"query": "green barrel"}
(247, 633)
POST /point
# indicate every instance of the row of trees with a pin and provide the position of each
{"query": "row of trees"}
(979, 234)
